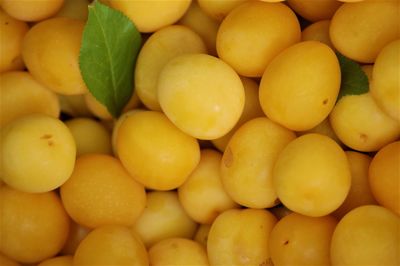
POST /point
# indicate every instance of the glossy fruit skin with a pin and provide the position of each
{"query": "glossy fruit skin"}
(367, 235)
(37, 153)
(247, 163)
(361, 125)
(385, 85)
(28, 219)
(318, 31)
(163, 217)
(51, 53)
(31, 10)
(240, 237)
(311, 175)
(150, 16)
(376, 23)
(384, 176)
(315, 10)
(100, 192)
(306, 99)
(184, 84)
(111, 245)
(12, 32)
(218, 10)
(178, 251)
(22, 95)
(241, 38)
(155, 152)
(160, 47)
(58, 261)
(302, 240)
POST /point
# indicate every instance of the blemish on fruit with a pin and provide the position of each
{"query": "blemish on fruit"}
(286, 242)
(325, 102)
(363, 137)
(46, 136)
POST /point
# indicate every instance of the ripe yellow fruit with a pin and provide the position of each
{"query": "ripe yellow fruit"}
(306, 98)
(360, 192)
(22, 95)
(240, 237)
(178, 251)
(51, 53)
(367, 235)
(90, 136)
(12, 32)
(384, 176)
(314, 10)
(323, 128)
(163, 217)
(34, 226)
(77, 9)
(149, 16)
(58, 261)
(205, 26)
(74, 105)
(31, 10)
(248, 160)
(155, 152)
(100, 192)
(361, 125)
(218, 10)
(302, 240)
(376, 24)
(5, 261)
(37, 153)
(318, 31)
(202, 195)
(111, 245)
(251, 109)
(385, 87)
(160, 47)
(312, 175)
(201, 95)
(241, 38)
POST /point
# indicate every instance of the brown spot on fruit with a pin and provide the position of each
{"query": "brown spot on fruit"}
(228, 158)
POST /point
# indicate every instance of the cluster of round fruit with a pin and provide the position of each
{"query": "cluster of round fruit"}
(234, 149)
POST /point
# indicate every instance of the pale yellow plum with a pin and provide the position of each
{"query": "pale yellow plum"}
(163, 217)
(76, 233)
(251, 109)
(318, 31)
(149, 16)
(240, 237)
(37, 153)
(178, 251)
(302, 240)
(361, 125)
(154, 151)
(201, 94)
(305, 99)
(360, 191)
(219, 9)
(31, 10)
(34, 226)
(384, 176)
(160, 47)
(376, 24)
(314, 10)
(248, 160)
(111, 245)
(50, 51)
(202, 195)
(74, 105)
(241, 40)
(100, 192)
(323, 128)
(312, 175)
(22, 95)
(205, 26)
(201, 235)
(5, 261)
(90, 136)
(385, 86)
(367, 235)
(12, 32)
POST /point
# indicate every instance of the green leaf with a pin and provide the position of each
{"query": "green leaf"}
(354, 80)
(109, 48)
